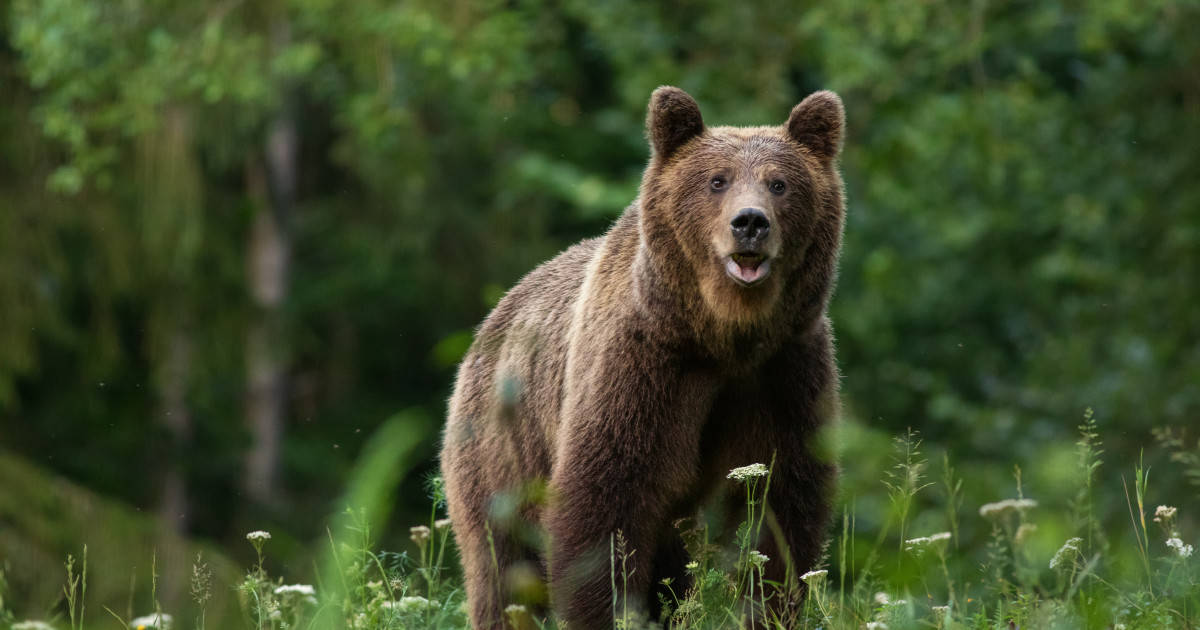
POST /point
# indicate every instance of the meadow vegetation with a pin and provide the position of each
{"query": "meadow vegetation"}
(939, 558)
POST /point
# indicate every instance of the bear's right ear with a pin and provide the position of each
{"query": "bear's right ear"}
(673, 119)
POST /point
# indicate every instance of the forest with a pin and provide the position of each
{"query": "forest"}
(244, 244)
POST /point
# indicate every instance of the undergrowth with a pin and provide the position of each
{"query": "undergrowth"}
(896, 572)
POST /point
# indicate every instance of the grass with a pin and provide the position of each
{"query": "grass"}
(907, 553)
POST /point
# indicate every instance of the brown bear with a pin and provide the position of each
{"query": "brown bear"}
(633, 371)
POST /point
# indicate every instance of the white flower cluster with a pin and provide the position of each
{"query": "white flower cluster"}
(158, 621)
(814, 576)
(940, 611)
(876, 625)
(1000, 508)
(303, 592)
(412, 604)
(758, 559)
(1181, 550)
(419, 534)
(919, 545)
(32, 624)
(300, 589)
(441, 524)
(1164, 514)
(747, 472)
(258, 535)
(1066, 553)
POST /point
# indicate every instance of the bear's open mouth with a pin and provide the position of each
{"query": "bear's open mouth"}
(747, 268)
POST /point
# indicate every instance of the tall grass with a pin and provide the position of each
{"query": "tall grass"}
(928, 555)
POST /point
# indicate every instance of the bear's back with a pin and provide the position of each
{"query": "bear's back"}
(510, 382)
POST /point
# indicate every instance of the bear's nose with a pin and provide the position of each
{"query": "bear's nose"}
(750, 224)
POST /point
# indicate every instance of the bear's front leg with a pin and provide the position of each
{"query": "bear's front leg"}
(628, 450)
(803, 405)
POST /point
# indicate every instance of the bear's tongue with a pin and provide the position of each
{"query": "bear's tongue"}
(746, 267)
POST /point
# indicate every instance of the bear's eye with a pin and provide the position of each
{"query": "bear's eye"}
(718, 183)
(777, 186)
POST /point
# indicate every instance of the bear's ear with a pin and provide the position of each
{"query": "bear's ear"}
(673, 119)
(817, 123)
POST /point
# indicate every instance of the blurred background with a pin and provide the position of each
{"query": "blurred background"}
(238, 237)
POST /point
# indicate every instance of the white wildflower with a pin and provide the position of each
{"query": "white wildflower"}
(258, 535)
(441, 524)
(1164, 513)
(1181, 550)
(940, 611)
(876, 625)
(32, 624)
(758, 559)
(1118, 626)
(882, 598)
(1000, 508)
(1066, 553)
(919, 545)
(814, 576)
(300, 589)
(692, 566)
(747, 472)
(1024, 532)
(515, 610)
(416, 603)
(916, 545)
(158, 621)
(419, 534)
(899, 602)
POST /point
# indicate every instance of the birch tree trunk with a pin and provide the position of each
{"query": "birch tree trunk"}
(270, 250)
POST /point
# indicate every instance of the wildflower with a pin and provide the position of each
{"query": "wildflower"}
(1066, 553)
(301, 589)
(31, 624)
(514, 608)
(692, 566)
(814, 576)
(919, 545)
(419, 534)
(940, 611)
(1181, 550)
(441, 524)
(1025, 531)
(258, 536)
(416, 603)
(882, 599)
(1164, 513)
(158, 621)
(747, 472)
(758, 559)
(1000, 508)
(876, 625)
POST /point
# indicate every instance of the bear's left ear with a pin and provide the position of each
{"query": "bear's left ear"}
(673, 119)
(817, 123)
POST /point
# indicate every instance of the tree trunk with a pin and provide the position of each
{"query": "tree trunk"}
(270, 248)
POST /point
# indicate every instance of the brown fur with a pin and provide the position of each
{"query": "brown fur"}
(631, 372)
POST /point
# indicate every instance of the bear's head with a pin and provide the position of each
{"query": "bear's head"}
(748, 218)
